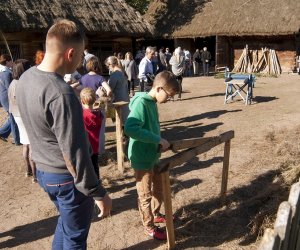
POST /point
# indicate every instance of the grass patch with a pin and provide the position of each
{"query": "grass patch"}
(219, 75)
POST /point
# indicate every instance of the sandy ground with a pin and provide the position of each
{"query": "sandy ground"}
(28, 218)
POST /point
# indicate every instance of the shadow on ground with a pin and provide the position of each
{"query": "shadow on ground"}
(206, 115)
(29, 232)
(260, 99)
(203, 96)
(209, 224)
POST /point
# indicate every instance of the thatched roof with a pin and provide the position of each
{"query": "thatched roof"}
(95, 16)
(200, 18)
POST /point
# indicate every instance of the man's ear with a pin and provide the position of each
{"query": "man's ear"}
(158, 88)
(69, 54)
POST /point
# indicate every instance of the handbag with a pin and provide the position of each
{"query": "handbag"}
(101, 92)
(150, 79)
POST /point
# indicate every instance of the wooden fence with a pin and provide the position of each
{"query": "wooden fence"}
(286, 232)
(190, 148)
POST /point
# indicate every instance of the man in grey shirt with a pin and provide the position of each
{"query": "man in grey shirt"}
(52, 116)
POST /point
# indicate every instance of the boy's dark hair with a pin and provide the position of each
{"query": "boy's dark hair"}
(167, 80)
(4, 59)
(19, 67)
(66, 31)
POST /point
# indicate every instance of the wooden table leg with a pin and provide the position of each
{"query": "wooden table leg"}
(168, 209)
(225, 170)
(119, 138)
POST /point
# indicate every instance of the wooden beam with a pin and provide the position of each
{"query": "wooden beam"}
(176, 160)
(225, 170)
(294, 200)
(119, 134)
(168, 209)
(270, 240)
(120, 104)
(187, 143)
(283, 223)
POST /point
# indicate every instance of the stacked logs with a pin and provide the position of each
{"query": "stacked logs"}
(255, 61)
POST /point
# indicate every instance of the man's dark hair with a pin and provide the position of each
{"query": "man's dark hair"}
(4, 58)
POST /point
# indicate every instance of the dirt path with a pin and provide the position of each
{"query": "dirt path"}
(28, 218)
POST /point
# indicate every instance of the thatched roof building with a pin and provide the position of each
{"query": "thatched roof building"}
(113, 17)
(110, 25)
(227, 26)
(202, 18)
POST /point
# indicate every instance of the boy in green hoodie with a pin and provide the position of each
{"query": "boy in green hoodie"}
(142, 126)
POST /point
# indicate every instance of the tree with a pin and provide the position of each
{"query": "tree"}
(139, 5)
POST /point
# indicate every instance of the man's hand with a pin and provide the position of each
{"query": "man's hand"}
(104, 205)
(164, 144)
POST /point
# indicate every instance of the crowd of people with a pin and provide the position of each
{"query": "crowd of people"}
(61, 122)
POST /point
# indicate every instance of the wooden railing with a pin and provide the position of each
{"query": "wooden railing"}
(190, 148)
(286, 232)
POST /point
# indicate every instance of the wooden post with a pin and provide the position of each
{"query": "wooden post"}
(294, 200)
(119, 134)
(168, 209)
(119, 138)
(225, 170)
(269, 241)
(282, 224)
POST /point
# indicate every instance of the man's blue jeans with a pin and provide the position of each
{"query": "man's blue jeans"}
(5, 129)
(75, 210)
(8, 127)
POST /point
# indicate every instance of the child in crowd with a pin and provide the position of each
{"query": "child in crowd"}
(92, 119)
(142, 126)
(19, 67)
(39, 56)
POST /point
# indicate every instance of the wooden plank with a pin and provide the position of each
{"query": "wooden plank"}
(187, 143)
(225, 171)
(257, 64)
(283, 223)
(168, 209)
(236, 81)
(294, 200)
(120, 104)
(119, 138)
(238, 65)
(277, 63)
(270, 241)
(260, 62)
(176, 160)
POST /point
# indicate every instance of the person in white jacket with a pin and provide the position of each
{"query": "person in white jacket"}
(178, 66)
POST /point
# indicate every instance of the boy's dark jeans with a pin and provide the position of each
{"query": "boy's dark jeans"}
(75, 210)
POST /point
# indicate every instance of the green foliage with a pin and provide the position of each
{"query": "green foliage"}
(219, 75)
(265, 75)
(139, 5)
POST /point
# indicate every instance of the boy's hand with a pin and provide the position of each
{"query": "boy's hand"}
(164, 144)
(104, 205)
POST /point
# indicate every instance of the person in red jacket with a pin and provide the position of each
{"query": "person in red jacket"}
(92, 119)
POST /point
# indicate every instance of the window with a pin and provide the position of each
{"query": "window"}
(14, 49)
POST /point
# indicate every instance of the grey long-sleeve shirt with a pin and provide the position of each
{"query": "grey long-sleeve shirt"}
(52, 116)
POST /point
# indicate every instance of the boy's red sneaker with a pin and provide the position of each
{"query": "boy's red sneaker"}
(156, 233)
(159, 218)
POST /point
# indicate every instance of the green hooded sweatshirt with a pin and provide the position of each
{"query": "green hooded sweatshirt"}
(142, 126)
